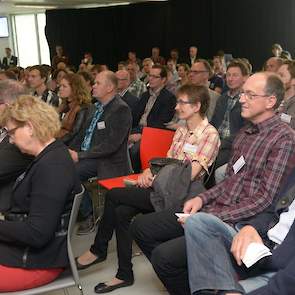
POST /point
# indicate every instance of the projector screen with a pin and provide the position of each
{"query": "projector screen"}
(3, 27)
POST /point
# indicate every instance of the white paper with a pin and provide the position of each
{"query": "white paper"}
(101, 125)
(254, 252)
(239, 164)
(286, 118)
(181, 215)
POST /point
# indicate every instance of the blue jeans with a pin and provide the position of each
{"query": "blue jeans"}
(208, 242)
(254, 283)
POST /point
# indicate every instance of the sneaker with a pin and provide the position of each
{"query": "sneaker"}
(86, 226)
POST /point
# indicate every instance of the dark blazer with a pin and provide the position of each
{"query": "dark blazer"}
(109, 142)
(44, 193)
(13, 62)
(13, 163)
(283, 258)
(131, 100)
(236, 122)
(72, 138)
(162, 111)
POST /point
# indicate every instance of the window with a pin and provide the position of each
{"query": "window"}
(30, 40)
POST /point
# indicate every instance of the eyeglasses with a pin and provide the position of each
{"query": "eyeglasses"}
(198, 72)
(182, 102)
(154, 76)
(11, 132)
(251, 96)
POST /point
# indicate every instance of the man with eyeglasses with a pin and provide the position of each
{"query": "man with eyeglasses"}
(199, 75)
(13, 162)
(156, 107)
(227, 117)
(262, 157)
(123, 84)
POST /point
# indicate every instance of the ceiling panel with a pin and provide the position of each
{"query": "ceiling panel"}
(27, 6)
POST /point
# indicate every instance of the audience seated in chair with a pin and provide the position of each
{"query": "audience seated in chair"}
(33, 236)
(136, 87)
(13, 162)
(227, 117)
(103, 152)
(37, 79)
(262, 156)
(156, 107)
(199, 75)
(123, 84)
(196, 142)
(75, 110)
(287, 109)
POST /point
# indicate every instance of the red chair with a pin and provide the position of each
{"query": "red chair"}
(154, 143)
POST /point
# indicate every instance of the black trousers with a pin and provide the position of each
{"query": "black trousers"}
(121, 205)
(161, 238)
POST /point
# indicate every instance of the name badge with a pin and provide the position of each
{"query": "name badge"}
(239, 164)
(101, 125)
(189, 148)
(286, 118)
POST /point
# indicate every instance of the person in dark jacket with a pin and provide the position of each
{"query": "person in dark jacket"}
(75, 109)
(13, 162)
(156, 107)
(103, 152)
(33, 236)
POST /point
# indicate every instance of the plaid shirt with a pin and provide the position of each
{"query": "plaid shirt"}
(267, 148)
(206, 139)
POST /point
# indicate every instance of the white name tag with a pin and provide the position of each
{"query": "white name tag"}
(286, 118)
(101, 125)
(189, 148)
(239, 164)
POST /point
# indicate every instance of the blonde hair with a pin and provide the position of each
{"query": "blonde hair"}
(43, 117)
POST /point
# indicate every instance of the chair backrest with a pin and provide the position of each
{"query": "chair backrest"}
(65, 280)
(154, 143)
(73, 218)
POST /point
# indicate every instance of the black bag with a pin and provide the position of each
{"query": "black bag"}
(156, 164)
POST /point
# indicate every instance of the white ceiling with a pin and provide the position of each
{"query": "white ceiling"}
(28, 6)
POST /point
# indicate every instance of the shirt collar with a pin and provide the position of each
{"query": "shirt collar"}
(265, 125)
(156, 92)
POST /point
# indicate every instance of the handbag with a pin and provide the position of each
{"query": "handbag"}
(156, 164)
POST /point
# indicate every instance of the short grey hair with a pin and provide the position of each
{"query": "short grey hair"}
(10, 90)
(274, 86)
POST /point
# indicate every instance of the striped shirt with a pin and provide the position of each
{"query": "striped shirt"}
(267, 148)
(206, 140)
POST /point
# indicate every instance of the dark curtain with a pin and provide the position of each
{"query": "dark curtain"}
(245, 28)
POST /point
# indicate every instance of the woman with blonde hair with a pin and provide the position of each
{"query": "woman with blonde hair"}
(75, 109)
(33, 246)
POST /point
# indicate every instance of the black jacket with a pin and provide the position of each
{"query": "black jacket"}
(109, 142)
(12, 63)
(44, 193)
(13, 163)
(74, 138)
(162, 111)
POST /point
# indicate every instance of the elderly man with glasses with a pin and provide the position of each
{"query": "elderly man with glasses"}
(13, 162)
(262, 157)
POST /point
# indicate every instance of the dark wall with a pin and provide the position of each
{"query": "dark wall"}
(245, 28)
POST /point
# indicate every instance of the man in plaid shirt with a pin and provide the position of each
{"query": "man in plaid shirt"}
(260, 160)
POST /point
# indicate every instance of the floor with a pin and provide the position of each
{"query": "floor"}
(146, 282)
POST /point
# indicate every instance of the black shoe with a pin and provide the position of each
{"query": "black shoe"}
(84, 266)
(103, 288)
(86, 226)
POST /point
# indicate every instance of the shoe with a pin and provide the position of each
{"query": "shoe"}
(103, 288)
(86, 226)
(84, 266)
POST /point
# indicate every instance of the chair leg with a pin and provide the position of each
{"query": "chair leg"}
(80, 289)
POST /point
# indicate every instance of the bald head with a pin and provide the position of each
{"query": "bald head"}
(123, 80)
(273, 64)
(9, 91)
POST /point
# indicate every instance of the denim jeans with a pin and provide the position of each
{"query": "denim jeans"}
(208, 242)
